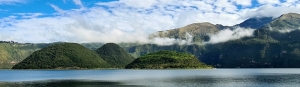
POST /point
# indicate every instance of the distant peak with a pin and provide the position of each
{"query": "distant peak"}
(289, 16)
(200, 24)
(110, 44)
(204, 23)
(255, 23)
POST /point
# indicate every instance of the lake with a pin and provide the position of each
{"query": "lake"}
(156, 78)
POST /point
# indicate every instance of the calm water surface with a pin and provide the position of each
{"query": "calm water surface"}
(160, 78)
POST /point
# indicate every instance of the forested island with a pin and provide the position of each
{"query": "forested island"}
(167, 60)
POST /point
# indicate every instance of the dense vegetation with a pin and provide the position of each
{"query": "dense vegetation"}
(166, 59)
(63, 55)
(275, 43)
(275, 50)
(12, 53)
(288, 21)
(115, 55)
(140, 50)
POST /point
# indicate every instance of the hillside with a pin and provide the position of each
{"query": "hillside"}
(274, 43)
(199, 31)
(255, 23)
(266, 49)
(165, 60)
(12, 52)
(140, 50)
(284, 22)
(271, 47)
(256, 52)
(115, 55)
(62, 55)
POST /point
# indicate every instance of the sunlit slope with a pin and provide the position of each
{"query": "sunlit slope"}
(12, 53)
(63, 55)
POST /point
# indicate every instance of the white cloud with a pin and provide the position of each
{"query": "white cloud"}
(224, 6)
(56, 8)
(134, 20)
(243, 2)
(29, 15)
(268, 1)
(79, 3)
(227, 34)
(9, 2)
(139, 3)
(269, 11)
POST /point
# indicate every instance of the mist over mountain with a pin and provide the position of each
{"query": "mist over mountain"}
(284, 23)
(275, 44)
(264, 47)
(195, 29)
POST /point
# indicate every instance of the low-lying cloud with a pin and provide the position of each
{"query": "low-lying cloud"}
(132, 21)
(227, 35)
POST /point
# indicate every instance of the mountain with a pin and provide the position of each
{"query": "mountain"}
(115, 55)
(265, 49)
(166, 59)
(256, 52)
(140, 50)
(271, 47)
(13, 52)
(284, 22)
(255, 23)
(199, 31)
(62, 55)
(275, 44)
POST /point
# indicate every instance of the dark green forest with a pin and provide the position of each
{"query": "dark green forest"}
(63, 55)
(166, 60)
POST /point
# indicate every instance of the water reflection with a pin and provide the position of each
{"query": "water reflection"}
(65, 83)
(157, 78)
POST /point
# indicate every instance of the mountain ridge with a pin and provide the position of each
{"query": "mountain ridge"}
(262, 37)
(289, 21)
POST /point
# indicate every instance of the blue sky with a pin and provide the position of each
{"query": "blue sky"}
(40, 21)
(39, 6)
(42, 6)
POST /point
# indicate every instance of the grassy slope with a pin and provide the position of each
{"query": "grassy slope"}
(12, 53)
(62, 55)
(166, 59)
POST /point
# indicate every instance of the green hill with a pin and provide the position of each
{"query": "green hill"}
(62, 55)
(115, 55)
(12, 52)
(166, 59)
